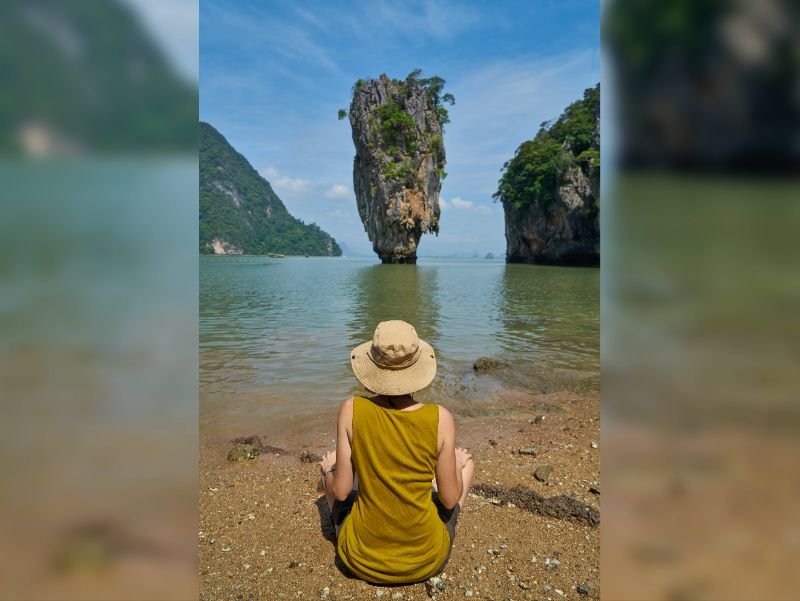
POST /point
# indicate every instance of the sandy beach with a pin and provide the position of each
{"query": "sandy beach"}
(264, 528)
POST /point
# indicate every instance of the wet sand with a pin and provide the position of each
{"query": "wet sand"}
(265, 534)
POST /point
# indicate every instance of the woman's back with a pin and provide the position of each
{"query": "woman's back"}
(394, 533)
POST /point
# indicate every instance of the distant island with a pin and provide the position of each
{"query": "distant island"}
(240, 214)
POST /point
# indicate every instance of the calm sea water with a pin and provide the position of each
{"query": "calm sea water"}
(275, 334)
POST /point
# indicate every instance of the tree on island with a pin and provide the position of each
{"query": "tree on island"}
(434, 86)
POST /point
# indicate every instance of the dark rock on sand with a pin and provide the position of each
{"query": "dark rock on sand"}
(583, 588)
(435, 586)
(560, 506)
(594, 489)
(538, 419)
(543, 473)
(255, 442)
(527, 451)
(242, 452)
(488, 364)
(309, 457)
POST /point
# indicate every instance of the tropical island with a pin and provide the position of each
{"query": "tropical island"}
(240, 214)
(550, 190)
(398, 169)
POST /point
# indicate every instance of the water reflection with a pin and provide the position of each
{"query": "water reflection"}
(276, 334)
(382, 292)
(552, 317)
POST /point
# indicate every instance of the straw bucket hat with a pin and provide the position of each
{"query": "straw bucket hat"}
(395, 362)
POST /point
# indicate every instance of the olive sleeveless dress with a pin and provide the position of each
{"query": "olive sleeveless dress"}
(393, 533)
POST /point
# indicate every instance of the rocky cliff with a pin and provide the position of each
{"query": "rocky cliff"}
(550, 190)
(399, 162)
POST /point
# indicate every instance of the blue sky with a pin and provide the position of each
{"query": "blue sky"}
(273, 74)
(173, 24)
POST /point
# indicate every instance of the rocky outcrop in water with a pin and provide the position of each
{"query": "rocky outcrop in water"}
(550, 190)
(565, 232)
(399, 162)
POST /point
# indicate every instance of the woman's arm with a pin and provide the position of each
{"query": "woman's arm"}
(448, 473)
(343, 476)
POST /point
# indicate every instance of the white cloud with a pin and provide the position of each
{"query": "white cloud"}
(338, 191)
(461, 204)
(283, 183)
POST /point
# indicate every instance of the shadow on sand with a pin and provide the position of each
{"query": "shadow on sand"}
(329, 534)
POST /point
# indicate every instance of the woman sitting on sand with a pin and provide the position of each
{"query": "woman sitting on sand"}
(396, 482)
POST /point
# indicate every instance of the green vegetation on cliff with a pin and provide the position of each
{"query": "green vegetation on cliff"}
(534, 172)
(398, 129)
(397, 126)
(239, 208)
(434, 86)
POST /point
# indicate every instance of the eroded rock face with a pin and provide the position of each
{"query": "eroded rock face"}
(223, 247)
(565, 231)
(398, 165)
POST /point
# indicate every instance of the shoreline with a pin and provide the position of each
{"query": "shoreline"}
(263, 525)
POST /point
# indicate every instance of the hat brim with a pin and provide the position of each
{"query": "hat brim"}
(393, 382)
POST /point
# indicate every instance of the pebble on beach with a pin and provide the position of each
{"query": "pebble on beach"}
(309, 457)
(543, 473)
(435, 586)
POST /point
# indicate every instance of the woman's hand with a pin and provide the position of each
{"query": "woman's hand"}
(463, 457)
(328, 463)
